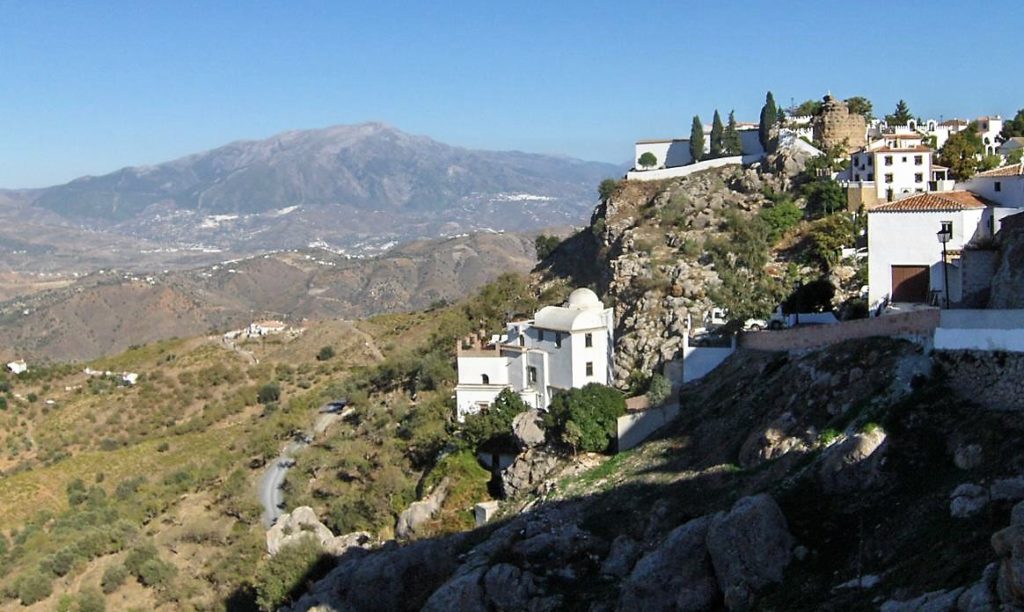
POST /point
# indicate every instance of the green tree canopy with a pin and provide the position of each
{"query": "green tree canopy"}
(717, 134)
(824, 196)
(806, 108)
(861, 106)
(585, 419)
(494, 423)
(607, 188)
(901, 115)
(731, 142)
(960, 153)
(1013, 127)
(647, 160)
(769, 116)
(696, 139)
(545, 245)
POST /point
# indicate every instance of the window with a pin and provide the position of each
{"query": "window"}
(999, 186)
(558, 339)
(486, 379)
(531, 374)
(918, 178)
(590, 368)
(888, 160)
(540, 335)
(904, 159)
(918, 160)
(888, 178)
(871, 161)
(871, 176)
(522, 340)
(588, 339)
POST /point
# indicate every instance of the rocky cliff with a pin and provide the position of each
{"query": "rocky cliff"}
(826, 480)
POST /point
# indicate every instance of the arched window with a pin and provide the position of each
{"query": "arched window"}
(486, 378)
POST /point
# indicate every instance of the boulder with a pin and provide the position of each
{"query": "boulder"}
(301, 523)
(1007, 489)
(750, 547)
(967, 500)
(677, 575)
(527, 429)
(936, 601)
(980, 596)
(419, 512)
(967, 456)
(621, 557)
(774, 441)
(527, 471)
(509, 588)
(1009, 547)
(464, 592)
(853, 464)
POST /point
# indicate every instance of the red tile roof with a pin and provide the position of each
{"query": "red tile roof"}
(934, 202)
(1011, 170)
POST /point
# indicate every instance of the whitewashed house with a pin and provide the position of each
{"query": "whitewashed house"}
(905, 255)
(1004, 186)
(988, 130)
(266, 328)
(17, 367)
(560, 348)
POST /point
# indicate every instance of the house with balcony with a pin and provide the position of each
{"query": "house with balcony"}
(892, 167)
(561, 347)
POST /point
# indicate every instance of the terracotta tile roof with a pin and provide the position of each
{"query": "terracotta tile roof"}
(1011, 170)
(934, 202)
(917, 149)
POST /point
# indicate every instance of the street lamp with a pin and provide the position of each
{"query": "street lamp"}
(945, 234)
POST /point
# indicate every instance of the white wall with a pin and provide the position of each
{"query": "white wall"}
(698, 361)
(909, 238)
(669, 153)
(981, 330)
(472, 369)
(632, 429)
(904, 171)
(666, 173)
(1011, 189)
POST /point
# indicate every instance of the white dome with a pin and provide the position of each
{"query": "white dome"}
(584, 299)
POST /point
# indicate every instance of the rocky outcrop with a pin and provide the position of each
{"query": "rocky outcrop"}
(677, 575)
(302, 523)
(1008, 281)
(750, 547)
(419, 512)
(995, 384)
(527, 471)
(527, 429)
(853, 464)
(779, 437)
(967, 500)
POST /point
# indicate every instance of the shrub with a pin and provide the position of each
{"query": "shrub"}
(495, 421)
(284, 576)
(326, 353)
(647, 160)
(91, 600)
(268, 393)
(33, 588)
(155, 572)
(113, 578)
(545, 245)
(778, 218)
(138, 556)
(658, 389)
(828, 436)
(824, 197)
(829, 236)
(585, 419)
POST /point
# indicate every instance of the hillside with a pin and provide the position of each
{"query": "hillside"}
(105, 313)
(351, 187)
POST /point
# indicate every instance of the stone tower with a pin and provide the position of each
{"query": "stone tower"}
(836, 124)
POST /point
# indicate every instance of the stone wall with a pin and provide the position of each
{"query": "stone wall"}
(632, 429)
(993, 380)
(976, 271)
(837, 124)
(918, 324)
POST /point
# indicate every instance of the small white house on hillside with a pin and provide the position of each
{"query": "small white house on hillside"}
(893, 167)
(266, 328)
(17, 367)
(904, 251)
(1003, 186)
(560, 348)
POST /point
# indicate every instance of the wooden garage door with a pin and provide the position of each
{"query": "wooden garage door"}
(910, 283)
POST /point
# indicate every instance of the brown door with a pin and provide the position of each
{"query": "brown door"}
(910, 283)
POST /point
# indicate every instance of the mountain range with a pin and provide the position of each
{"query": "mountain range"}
(357, 189)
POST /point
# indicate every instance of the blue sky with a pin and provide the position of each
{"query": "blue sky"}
(88, 87)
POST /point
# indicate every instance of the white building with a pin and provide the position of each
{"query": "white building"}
(1003, 186)
(895, 166)
(905, 255)
(17, 367)
(675, 152)
(988, 129)
(560, 348)
(265, 328)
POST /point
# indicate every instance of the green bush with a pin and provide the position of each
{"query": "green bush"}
(33, 588)
(824, 196)
(91, 600)
(659, 389)
(155, 572)
(285, 575)
(779, 217)
(495, 421)
(269, 393)
(326, 353)
(545, 245)
(828, 236)
(113, 578)
(585, 419)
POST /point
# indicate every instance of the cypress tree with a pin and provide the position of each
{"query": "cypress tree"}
(731, 139)
(769, 116)
(696, 139)
(716, 135)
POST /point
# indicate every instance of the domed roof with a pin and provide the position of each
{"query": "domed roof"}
(584, 299)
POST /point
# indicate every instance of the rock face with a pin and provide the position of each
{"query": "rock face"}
(967, 500)
(776, 439)
(853, 463)
(419, 512)
(1008, 282)
(675, 576)
(303, 523)
(527, 471)
(527, 429)
(994, 384)
(750, 546)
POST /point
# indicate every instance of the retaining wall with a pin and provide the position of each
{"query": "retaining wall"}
(680, 171)
(632, 429)
(980, 330)
(919, 324)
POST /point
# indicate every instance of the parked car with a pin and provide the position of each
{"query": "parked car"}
(779, 320)
(718, 317)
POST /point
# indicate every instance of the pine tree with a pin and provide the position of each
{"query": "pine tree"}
(769, 116)
(901, 116)
(716, 135)
(696, 139)
(731, 139)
